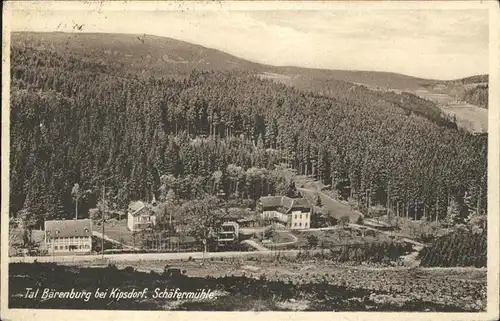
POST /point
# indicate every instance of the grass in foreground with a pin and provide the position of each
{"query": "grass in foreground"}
(341, 289)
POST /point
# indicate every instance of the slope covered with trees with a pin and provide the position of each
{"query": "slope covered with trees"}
(477, 95)
(473, 90)
(81, 119)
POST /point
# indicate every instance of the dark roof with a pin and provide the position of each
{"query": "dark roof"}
(300, 203)
(135, 206)
(68, 228)
(270, 201)
(284, 201)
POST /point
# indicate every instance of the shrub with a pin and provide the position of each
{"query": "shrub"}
(426, 237)
(344, 220)
(128, 269)
(312, 240)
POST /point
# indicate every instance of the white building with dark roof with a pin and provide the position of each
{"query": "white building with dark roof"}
(228, 234)
(140, 216)
(295, 213)
(66, 236)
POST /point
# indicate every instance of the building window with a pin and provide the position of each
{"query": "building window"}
(295, 224)
(65, 247)
(305, 224)
(300, 216)
(300, 224)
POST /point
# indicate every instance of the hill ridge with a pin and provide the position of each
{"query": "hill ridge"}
(286, 68)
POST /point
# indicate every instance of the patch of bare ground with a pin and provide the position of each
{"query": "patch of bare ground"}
(293, 305)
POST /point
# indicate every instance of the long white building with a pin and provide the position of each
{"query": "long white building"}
(66, 236)
(295, 213)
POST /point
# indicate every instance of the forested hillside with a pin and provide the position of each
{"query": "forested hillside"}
(470, 80)
(474, 89)
(477, 95)
(91, 121)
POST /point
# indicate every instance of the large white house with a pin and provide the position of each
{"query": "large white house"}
(65, 236)
(295, 213)
(140, 216)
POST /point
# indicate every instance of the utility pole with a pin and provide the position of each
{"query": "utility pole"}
(76, 194)
(478, 207)
(388, 207)
(204, 247)
(102, 219)
(367, 206)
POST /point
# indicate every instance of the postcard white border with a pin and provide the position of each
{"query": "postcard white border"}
(493, 157)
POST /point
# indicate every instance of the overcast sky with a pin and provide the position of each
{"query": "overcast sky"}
(439, 44)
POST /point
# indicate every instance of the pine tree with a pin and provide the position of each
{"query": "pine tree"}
(292, 190)
(319, 203)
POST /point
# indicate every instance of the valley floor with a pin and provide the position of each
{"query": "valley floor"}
(470, 117)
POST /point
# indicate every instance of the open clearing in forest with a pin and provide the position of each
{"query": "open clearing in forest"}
(471, 117)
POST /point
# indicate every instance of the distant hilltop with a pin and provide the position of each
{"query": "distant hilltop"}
(168, 54)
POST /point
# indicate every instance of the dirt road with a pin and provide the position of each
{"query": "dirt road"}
(255, 245)
(145, 256)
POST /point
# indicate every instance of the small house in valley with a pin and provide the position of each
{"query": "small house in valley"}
(295, 213)
(66, 236)
(228, 233)
(140, 216)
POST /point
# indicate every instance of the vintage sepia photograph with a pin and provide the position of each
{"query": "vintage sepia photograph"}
(248, 157)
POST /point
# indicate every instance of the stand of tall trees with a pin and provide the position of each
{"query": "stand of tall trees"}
(79, 120)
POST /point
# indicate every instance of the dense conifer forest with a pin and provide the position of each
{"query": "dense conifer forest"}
(477, 96)
(79, 119)
(476, 93)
